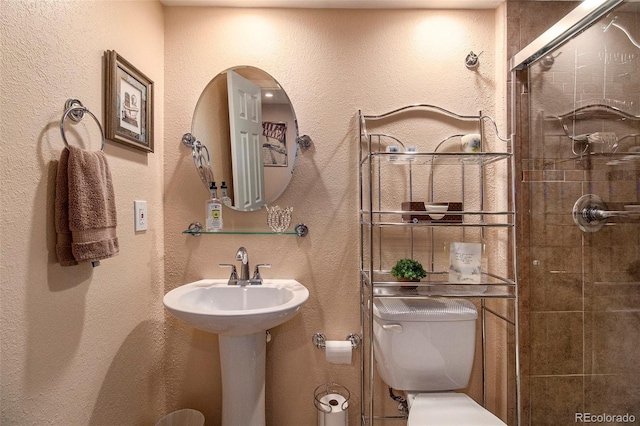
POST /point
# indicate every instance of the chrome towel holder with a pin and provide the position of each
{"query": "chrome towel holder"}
(74, 110)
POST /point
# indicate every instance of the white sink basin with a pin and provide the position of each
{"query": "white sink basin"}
(232, 310)
(240, 315)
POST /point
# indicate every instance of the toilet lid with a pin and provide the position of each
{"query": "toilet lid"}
(449, 409)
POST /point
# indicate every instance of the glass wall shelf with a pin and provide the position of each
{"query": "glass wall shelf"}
(195, 230)
(442, 158)
(437, 284)
(196, 233)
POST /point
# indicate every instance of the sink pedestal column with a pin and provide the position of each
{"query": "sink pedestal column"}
(243, 364)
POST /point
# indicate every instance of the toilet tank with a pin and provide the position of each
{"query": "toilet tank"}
(424, 345)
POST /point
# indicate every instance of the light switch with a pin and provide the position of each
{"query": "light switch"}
(140, 215)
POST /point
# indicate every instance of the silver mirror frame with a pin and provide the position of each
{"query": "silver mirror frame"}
(203, 158)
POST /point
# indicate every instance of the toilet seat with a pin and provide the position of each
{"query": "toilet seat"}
(449, 409)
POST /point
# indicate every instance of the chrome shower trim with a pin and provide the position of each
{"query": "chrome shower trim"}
(577, 20)
(591, 214)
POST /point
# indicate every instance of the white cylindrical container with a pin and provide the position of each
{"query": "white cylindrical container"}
(184, 417)
(332, 402)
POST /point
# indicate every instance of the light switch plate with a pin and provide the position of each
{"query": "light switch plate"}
(140, 215)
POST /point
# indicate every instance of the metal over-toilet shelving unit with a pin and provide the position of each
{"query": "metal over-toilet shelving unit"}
(430, 179)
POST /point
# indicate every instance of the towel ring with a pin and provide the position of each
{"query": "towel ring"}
(74, 110)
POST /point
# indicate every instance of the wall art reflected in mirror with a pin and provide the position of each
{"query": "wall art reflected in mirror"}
(245, 134)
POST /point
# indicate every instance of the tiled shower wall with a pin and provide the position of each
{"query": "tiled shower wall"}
(579, 292)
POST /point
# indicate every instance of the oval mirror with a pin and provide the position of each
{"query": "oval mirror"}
(247, 127)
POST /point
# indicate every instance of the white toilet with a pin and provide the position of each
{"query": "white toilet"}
(425, 347)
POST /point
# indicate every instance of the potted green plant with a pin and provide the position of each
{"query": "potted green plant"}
(408, 270)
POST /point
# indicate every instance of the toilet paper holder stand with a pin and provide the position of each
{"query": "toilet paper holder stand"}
(330, 406)
(320, 340)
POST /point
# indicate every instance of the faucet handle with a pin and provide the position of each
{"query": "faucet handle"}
(234, 273)
(256, 272)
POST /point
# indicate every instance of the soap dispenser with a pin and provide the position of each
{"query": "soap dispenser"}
(213, 222)
(226, 200)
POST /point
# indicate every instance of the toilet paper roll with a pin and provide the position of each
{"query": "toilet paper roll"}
(334, 410)
(338, 351)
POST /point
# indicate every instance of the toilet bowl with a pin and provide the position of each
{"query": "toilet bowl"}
(425, 347)
(449, 409)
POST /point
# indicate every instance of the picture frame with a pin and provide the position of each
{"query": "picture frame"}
(128, 103)
(465, 262)
(274, 144)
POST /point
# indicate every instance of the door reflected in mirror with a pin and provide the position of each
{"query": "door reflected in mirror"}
(246, 121)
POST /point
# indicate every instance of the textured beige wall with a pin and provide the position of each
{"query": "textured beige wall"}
(79, 345)
(331, 63)
(86, 346)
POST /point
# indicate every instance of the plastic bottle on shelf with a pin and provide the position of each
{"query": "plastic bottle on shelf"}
(213, 220)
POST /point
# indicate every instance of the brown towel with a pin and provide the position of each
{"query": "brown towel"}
(85, 209)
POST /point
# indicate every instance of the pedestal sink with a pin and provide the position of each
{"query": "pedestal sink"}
(240, 315)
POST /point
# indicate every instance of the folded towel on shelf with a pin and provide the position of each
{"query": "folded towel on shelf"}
(85, 210)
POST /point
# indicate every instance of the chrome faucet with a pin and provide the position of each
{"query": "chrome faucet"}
(243, 256)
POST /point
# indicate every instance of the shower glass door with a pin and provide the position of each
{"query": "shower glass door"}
(579, 238)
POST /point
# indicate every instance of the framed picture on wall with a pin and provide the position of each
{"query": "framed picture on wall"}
(129, 104)
(274, 144)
